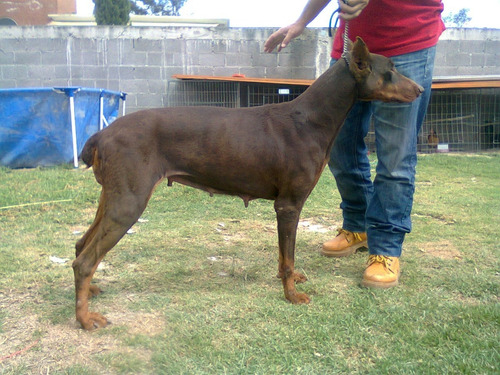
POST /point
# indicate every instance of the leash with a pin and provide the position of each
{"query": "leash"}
(346, 29)
(346, 38)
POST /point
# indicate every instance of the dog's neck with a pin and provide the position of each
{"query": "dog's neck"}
(329, 99)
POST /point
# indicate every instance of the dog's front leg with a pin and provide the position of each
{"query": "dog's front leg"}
(288, 219)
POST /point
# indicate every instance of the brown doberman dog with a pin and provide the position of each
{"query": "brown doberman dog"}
(274, 152)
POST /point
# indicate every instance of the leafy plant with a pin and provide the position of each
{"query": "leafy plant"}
(112, 12)
(156, 7)
(458, 19)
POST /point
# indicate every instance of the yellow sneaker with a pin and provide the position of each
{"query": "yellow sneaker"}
(346, 243)
(381, 272)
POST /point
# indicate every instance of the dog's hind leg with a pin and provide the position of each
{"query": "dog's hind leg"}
(90, 233)
(117, 212)
(94, 290)
(288, 219)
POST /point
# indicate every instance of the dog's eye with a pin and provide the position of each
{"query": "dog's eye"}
(388, 76)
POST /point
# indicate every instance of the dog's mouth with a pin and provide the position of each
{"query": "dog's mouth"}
(407, 97)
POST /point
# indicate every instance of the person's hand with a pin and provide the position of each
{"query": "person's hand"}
(283, 36)
(350, 9)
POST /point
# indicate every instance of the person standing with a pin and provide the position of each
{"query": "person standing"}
(376, 214)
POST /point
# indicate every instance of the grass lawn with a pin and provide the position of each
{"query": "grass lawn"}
(193, 289)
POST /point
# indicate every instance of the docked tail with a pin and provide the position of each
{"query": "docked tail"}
(90, 150)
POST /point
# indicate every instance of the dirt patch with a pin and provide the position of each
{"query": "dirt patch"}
(39, 347)
(315, 225)
(441, 249)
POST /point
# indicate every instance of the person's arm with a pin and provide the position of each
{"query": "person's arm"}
(349, 10)
(283, 36)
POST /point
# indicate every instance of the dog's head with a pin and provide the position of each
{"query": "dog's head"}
(377, 78)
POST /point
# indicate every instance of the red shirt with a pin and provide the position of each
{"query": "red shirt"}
(394, 27)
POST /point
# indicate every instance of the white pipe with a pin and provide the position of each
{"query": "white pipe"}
(101, 115)
(73, 129)
(124, 98)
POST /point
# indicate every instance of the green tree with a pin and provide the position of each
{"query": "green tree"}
(156, 7)
(458, 19)
(112, 12)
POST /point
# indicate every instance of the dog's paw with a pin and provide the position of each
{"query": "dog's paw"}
(93, 321)
(94, 290)
(299, 299)
(299, 278)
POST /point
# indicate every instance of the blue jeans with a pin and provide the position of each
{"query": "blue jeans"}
(382, 208)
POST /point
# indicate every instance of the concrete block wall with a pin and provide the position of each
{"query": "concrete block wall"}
(141, 60)
(468, 52)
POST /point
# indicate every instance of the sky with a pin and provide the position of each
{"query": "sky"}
(276, 13)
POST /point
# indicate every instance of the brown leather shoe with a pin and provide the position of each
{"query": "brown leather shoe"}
(346, 243)
(381, 272)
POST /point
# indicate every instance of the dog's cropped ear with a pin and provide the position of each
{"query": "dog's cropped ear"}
(360, 59)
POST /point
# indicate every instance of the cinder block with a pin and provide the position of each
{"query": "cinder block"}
(200, 70)
(6, 57)
(12, 45)
(31, 82)
(146, 45)
(213, 59)
(14, 71)
(492, 61)
(149, 101)
(61, 72)
(255, 72)
(135, 58)
(156, 87)
(85, 44)
(198, 46)
(183, 59)
(296, 60)
(445, 71)
(471, 46)
(239, 60)
(134, 86)
(126, 73)
(76, 72)
(492, 47)
(54, 58)
(28, 58)
(50, 44)
(89, 58)
(113, 71)
(95, 72)
(101, 84)
(114, 85)
(470, 71)
(477, 59)
(279, 72)
(225, 71)
(458, 59)
(252, 47)
(147, 72)
(8, 83)
(113, 52)
(219, 46)
(233, 46)
(173, 45)
(154, 58)
(265, 59)
(40, 71)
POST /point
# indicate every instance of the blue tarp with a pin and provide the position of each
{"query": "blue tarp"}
(35, 123)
